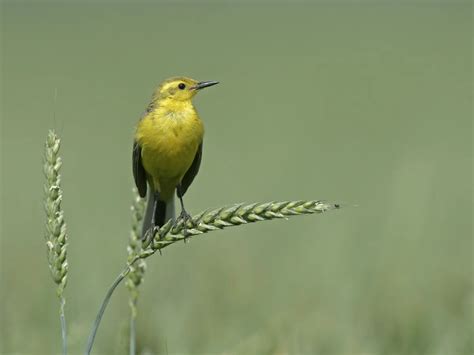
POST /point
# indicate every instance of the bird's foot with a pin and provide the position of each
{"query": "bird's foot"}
(186, 221)
(184, 218)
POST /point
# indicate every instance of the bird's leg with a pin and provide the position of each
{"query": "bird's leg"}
(184, 216)
(155, 207)
(150, 233)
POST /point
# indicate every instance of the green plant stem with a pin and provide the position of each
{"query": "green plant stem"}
(103, 306)
(137, 271)
(208, 221)
(56, 234)
(62, 316)
(133, 333)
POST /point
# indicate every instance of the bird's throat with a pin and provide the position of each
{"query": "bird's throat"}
(175, 109)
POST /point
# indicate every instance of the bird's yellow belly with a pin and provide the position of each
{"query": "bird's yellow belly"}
(168, 157)
(168, 149)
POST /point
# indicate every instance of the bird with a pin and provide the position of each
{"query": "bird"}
(167, 150)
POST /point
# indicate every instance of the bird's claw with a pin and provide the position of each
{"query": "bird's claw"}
(185, 220)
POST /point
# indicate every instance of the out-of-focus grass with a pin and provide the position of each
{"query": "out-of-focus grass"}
(370, 104)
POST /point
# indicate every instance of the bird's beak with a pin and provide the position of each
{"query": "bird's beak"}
(204, 84)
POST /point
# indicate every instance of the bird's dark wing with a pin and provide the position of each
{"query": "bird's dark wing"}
(192, 171)
(139, 173)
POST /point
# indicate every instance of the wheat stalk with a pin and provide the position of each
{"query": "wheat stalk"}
(205, 222)
(56, 235)
(137, 270)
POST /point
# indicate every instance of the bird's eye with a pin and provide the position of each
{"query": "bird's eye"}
(182, 86)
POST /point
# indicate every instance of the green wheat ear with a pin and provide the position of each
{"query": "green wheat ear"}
(238, 214)
(56, 235)
(137, 270)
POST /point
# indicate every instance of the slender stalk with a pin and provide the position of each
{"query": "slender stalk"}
(103, 306)
(56, 237)
(133, 333)
(208, 221)
(137, 271)
(62, 317)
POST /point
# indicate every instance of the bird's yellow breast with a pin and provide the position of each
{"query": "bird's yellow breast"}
(169, 139)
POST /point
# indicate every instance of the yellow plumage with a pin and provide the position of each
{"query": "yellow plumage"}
(169, 136)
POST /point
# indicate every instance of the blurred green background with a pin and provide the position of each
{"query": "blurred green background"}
(366, 103)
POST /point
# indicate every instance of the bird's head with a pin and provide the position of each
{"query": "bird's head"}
(180, 88)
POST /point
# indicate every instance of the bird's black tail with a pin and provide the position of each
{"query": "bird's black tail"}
(163, 212)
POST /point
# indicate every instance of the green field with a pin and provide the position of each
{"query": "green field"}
(364, 103)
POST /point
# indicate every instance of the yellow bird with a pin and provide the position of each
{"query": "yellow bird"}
(167, 149)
